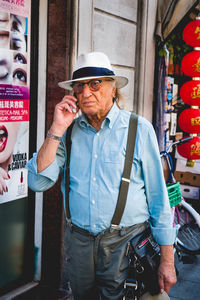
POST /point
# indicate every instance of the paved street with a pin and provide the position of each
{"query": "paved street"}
(188, 284)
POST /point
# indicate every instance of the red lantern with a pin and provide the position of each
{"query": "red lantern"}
(190, 64)
(189, 120)
(190, 150)
(191, 33)
(190, 92)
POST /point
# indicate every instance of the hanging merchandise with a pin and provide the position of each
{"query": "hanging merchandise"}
(189, 119)
(169, 94)
(160, 120)
(171, 61)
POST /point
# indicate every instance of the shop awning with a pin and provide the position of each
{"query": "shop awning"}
(170, 13)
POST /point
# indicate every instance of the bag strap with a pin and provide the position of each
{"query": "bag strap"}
(68, 146)
(124, 185)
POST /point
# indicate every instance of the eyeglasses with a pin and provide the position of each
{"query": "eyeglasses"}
(94, 85)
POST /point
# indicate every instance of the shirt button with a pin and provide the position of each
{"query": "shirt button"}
(94, 226)
(93, 202)
(95, 156)
(94, 179)
(97, 133)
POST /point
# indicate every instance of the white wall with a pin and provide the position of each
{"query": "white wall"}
(124, 30)
(110, 27)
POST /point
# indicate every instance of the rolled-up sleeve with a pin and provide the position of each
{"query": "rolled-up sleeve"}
(161, 221)
(40, 182)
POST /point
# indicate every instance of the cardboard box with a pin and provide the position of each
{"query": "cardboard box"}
(189, 192)
(181, 166)
(187, 178)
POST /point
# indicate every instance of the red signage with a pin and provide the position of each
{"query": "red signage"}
(14, 110)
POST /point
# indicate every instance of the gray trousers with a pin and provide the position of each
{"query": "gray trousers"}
(98, 265)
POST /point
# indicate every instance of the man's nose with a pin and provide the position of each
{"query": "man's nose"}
(86, 91)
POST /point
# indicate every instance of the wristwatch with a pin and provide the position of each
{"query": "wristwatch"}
(53, 136)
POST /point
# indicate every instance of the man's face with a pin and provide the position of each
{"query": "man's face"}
(97, 102)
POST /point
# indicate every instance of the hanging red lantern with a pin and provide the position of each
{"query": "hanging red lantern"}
(190, 150)
(189, 120)
(190, 64)
(190, 92)
(191, 33)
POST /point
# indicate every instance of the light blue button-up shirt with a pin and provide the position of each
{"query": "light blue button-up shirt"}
(96, 167)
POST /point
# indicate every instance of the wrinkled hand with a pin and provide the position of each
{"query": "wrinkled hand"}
(3, 176)
(166, 276)
(64, 114)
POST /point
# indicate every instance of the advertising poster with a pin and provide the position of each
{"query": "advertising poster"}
(14, 97)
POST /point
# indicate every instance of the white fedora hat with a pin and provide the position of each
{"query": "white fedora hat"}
(90, 66)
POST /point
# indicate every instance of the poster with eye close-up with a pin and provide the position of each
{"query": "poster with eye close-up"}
(14, 98)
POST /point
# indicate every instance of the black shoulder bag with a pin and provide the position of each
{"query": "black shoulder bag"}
(144, 252)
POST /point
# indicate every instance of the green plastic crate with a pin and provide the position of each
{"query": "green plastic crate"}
(174, 193)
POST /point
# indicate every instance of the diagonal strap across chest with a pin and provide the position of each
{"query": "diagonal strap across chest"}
(124, 185)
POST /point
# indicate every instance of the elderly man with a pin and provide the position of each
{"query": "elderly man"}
(97, 258)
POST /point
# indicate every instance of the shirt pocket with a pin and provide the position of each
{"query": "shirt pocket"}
(114, 157)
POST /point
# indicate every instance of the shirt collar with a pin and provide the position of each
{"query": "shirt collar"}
(112, 115)
(109, 120)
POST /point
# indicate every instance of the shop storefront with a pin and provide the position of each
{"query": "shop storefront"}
(175, 117)
(53, 33)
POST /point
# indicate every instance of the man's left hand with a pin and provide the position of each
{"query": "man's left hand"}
(166, 276)
(166, 270)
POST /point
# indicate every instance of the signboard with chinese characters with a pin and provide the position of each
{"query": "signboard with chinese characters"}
(14, 97)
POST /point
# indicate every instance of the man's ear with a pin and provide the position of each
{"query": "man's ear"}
(114, 91)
